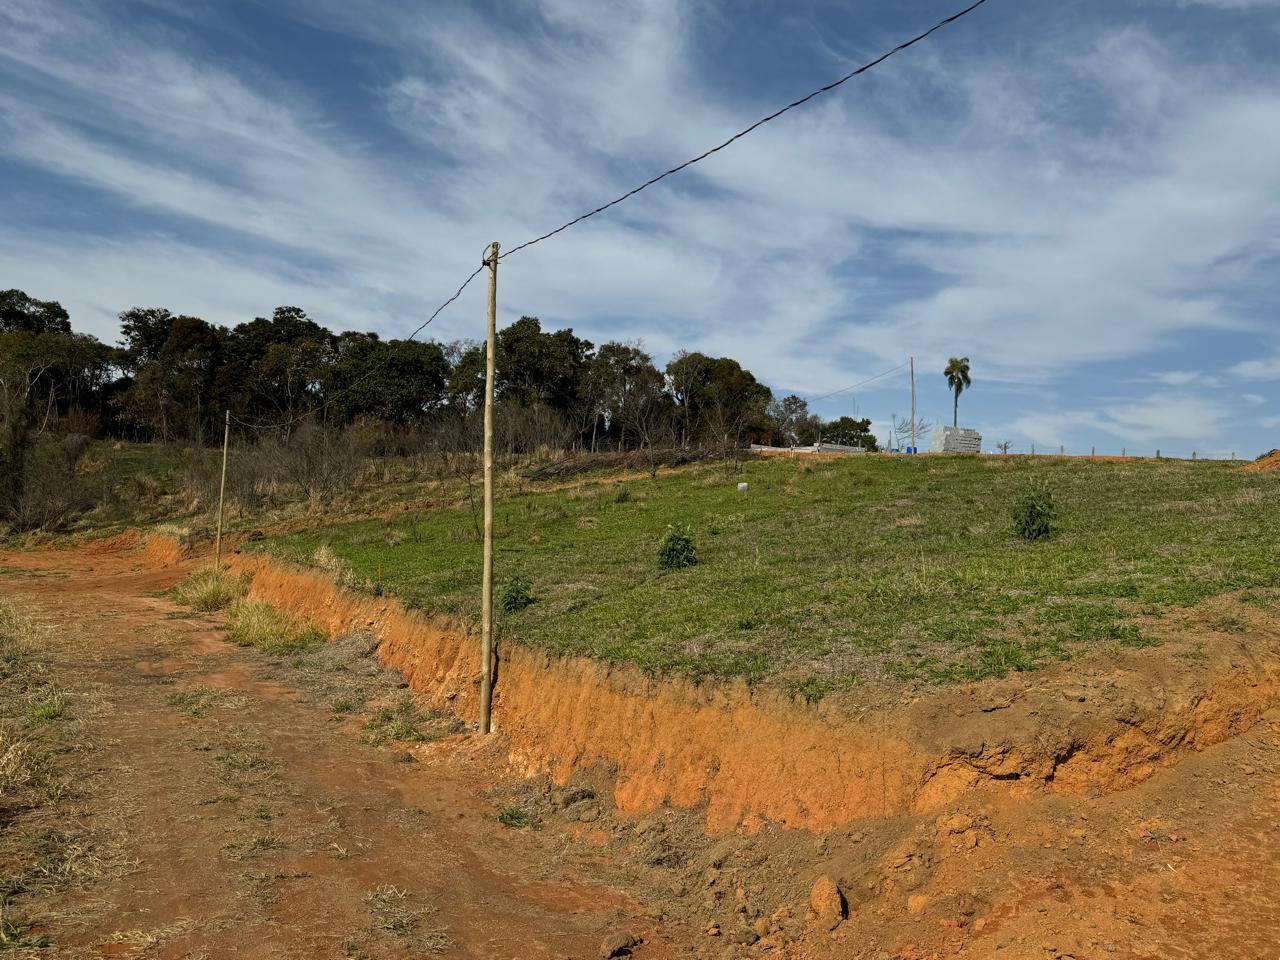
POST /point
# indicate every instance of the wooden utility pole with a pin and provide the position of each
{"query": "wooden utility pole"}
(486, 598)
(222, 491)
(913, 405)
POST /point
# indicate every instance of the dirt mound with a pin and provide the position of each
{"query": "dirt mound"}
(1265, 463)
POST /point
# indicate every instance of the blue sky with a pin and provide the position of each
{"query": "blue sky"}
(1083, 198)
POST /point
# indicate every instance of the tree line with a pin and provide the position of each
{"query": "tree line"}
(171, 376)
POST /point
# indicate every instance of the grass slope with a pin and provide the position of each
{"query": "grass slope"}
(825, 573)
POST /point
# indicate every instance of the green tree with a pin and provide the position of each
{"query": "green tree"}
(144, 332)
(718, 399)
(21, 312)
(175, 362)
(629, 394)
(534, 367)
(792, 421)
(397, 380)
(957, 374)
(849, 432)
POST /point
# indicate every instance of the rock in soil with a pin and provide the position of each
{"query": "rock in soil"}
(619, 945)
(827, 902)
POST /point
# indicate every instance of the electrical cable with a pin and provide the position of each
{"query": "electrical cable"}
(860, 383)
(759, 123)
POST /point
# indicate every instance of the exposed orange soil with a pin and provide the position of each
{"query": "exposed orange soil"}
(748, 757)
(273, 855)
(1127, 806)
(1265, 463)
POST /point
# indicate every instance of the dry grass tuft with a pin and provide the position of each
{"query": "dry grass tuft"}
(208, 590)
(395, 912)
(255, 623)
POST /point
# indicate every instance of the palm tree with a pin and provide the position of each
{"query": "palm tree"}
(957, 374)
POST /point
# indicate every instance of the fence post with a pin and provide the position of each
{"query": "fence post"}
(486, 598)
(222, 491)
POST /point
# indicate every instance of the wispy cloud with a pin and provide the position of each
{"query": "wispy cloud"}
(1067, 201)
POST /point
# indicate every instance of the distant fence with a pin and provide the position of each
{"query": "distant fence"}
(1113, 453)
(1029, 450)
(828, 449)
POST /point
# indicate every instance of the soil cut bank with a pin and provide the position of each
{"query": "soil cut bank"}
(753, 756)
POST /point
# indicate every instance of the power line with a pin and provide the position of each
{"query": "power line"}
(947, 21)
(860, 383)
(759, 123)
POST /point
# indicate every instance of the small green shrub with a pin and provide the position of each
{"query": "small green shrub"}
(1034, 511)
(516, 594)
(678, 549)
(515, 818)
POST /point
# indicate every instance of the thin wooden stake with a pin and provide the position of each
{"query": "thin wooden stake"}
(913, 405)
(222, 491)
(486, 599)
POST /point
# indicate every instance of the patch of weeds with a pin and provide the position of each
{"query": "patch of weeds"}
(399, 720)
(1033, 512)
(194, 703)
(396, 912)
(517, 594)
(516, 818)
(47, 709)
(15, 931)
(1128, 635)
(1230, 625)
(678, 549)
(1259, 599)
(264, 843)
(1196, 653)
(255, 623)
(812, 689)
(343, 705)
(208, 590)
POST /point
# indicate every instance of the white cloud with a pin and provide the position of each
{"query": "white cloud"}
(1260, 368)
(1086, 199)
(1143, 423)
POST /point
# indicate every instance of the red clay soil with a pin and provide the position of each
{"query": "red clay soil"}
(746, 758)
(1265, 463)
(259, 826)
(1122, 807)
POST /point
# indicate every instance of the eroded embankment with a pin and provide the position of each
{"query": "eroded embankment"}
(748, 756)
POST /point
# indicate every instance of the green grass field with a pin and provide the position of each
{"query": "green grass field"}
(827, 573)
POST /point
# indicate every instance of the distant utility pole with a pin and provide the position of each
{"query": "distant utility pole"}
(486, 598)
(222, 491)
(913, 405)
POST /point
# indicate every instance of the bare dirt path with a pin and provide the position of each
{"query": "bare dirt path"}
(250, 821)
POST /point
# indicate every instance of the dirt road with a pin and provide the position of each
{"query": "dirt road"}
(237, 812)
(240, 817)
